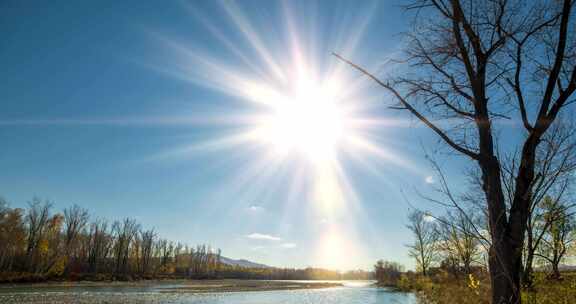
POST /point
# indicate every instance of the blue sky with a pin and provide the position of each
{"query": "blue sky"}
(125, 108)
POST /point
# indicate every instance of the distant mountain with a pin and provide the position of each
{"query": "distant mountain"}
(560, 267)
(242, 263)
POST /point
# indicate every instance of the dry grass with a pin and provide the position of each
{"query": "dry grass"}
(442, 289)
(552, 292)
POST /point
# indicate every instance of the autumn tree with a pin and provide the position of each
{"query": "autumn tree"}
(38, 244)
(12, 235)
(36, 225)
(558, 236)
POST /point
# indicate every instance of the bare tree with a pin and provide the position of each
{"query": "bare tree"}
(75, 219)
(147, 246)
(165, 249)
(387, 273)
(458, 240)
(99, 245)
(124, 232)
(479, 61)
(424, 248)
(555, 168)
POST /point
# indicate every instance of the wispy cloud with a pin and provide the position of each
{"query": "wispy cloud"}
(429, 179)
(255, 208)
(261, 236)
(123, 121)
(288, 245)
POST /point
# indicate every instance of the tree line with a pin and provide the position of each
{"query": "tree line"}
(309, 273)
(37, 244)
(443, 243)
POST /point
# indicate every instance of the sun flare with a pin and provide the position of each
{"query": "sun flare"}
(300, 118)
(309, 120)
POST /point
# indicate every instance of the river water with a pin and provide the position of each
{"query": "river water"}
(350, 293)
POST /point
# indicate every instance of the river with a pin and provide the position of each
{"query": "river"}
(351, 293)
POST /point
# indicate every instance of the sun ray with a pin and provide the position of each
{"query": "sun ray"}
(305, 113)
(246, 28)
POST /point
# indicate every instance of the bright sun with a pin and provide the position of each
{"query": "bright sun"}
(308, 120)
(300, 120)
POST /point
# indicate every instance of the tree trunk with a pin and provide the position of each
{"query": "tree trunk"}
(505, 257)
(527, 271)
(505, 281)
(506, 228)
(527, 279)
(424, 266)
(555, 271)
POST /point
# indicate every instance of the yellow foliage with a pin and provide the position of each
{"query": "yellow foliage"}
(59, 266)
(43, 247)
(167, 269)
(404, 283)
(473, 283)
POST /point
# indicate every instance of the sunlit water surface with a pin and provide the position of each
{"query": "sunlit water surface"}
(351, 293)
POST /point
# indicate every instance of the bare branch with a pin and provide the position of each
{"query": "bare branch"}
(412, 110)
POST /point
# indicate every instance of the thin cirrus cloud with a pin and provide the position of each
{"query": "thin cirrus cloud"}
(255, 208)
(288, 245)
(264, 237)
